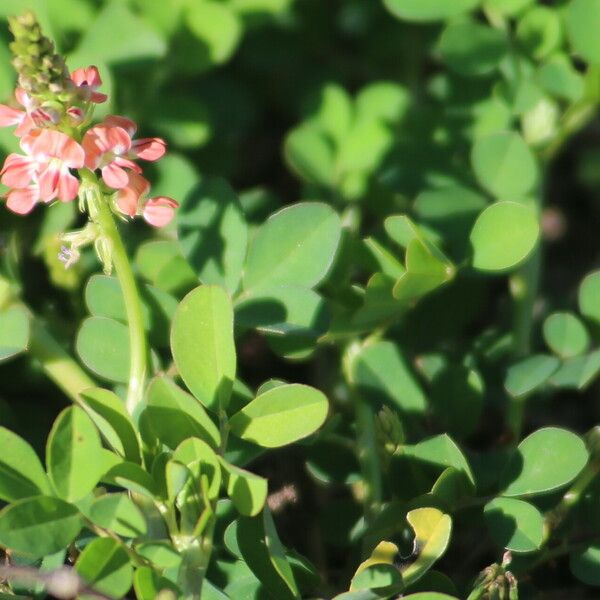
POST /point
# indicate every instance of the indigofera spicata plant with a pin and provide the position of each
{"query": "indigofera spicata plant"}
(372, 373)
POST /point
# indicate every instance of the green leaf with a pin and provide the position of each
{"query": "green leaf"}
(432, 535)
(503, 236)
(540, 31)
(201, 460)
(378, 577)
(39, 526)
(104, 298)
(281, 416)
(247, 491)
(440, 451)
(583, 24)
(174, 415)
(21, 472)
(381, 373)
(589, 297)
(385, 101)
(472, 49)
(429, 596)
(296, 246)
(161, 554)
(116, 22)
(203, 347)
(132, 477)
(148, 584)
(425, 271)
(545, 461)
(514, 524)
(578, 372)
(213, 233)
(565, 334)
(504, 165)
(585, 565)
(104, 565)
(260, 546)
(216, 27)
(108, 413)
(14, 332)
(117, 513)
(529, 374)
(507, 7)
(103, 346)
(429, 10)
(73, 454)
(310, 155)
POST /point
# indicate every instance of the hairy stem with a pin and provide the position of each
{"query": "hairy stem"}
(138, 346)
(57, 363)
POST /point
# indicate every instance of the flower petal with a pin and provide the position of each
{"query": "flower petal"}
(18, 171)
(55, 144)
(160, 211)
(149, 148)
(23, 201)
(68, 185)
(114, 176)
(117, 121)
(11, 116)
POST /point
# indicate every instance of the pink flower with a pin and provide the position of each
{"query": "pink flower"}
(88, 81)
(24, 200)
(27, 119)
(106, 148)
(150, 149)
(157, 211)
(49, 157)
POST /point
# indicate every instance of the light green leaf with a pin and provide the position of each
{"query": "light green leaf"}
(108, 413)
(132, 477)
(117, 513)
(472, 49)
(148, 584)
(247, 491)
(281, 416)
(105, 566)
(429, 10)
(310, 155)
(21, 472)
(382, 374)
(103, 346)
(432, 535)
(14, 332)
(213, 233)
(565, 334)
(589, 297)
(116, 22)
(546, 460)
(577, 372)
(74, 454)
(583, 24)
(39, 526)
(540, 31)
(514, 524)
(175, 416)
(530, 373)
(504, 165)
(503, 236)
(296, 246)
(203, 347)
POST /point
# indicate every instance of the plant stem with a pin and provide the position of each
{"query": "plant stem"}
(57, 363)
(137, 335)
(366, 441)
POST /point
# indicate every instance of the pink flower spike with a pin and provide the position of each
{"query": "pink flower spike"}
(88, 81)
(150, 149)
(160, 211)
(129, 197)
(23, 201)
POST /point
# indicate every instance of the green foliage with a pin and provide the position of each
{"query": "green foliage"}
(363, 335)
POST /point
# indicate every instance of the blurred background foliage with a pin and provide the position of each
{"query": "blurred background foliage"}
(331, 100)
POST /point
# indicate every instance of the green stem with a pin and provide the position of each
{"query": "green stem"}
(57, 363)
(366, 441)
(133, 306)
